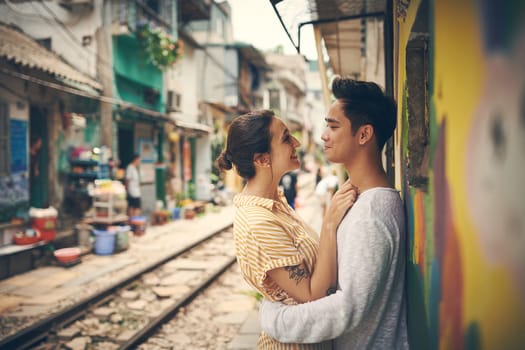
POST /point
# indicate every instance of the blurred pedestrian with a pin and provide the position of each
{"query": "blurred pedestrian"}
(34, 152)
(326, 188)
(289, 185)
(277, 253)
(318, 176)
(133, 186)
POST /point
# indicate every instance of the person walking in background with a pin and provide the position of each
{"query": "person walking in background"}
(277, 253)
(318, 176)
(133, 186)
(34, 152)
(368, 310)
(326, 188)
(289, 185)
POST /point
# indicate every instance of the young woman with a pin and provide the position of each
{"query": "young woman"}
(277, 254)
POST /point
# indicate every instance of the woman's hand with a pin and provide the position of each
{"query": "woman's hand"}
(341, 202)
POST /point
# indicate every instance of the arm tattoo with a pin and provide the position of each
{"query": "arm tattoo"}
(297, 273)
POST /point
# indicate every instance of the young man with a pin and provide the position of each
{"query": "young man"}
(368, 310)
(133, 186)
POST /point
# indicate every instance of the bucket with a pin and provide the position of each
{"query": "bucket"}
(104, 242)
(138, 225)
(84, 235)
(46, 226)
(122, 238)
(176, 213)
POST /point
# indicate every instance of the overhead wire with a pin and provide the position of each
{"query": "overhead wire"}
(55, 19)
(72, 37)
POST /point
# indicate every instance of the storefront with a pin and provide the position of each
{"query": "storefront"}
(140, 121)
(47, 108)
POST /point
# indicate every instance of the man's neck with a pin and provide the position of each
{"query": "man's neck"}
(366, 174)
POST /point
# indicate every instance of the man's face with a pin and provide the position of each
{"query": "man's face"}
(339, 143)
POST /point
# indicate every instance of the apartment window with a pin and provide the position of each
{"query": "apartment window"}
(154, 5)
(151, 96)
(275, 99)
(219, 27)
(5, 155)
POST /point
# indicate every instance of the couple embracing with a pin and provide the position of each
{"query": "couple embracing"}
(343, 289)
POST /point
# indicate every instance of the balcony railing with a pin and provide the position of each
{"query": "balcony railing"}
(136, 13)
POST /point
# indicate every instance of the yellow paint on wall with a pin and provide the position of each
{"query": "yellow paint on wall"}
(489, 297)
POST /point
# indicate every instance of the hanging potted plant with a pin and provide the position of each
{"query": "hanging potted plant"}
(160, 49)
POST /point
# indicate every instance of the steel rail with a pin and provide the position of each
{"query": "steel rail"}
(34, 333)
(167, 314)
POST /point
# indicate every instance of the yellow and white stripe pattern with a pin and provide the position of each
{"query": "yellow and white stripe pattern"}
(269, 234)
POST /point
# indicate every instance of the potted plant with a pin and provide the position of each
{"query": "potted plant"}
(160, 49)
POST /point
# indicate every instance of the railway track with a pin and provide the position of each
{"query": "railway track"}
(127, 313)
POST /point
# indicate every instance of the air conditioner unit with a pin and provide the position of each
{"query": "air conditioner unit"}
(173, 100)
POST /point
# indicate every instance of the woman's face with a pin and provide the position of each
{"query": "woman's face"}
(283, 146)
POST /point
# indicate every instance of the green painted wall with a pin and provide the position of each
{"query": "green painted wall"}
(134, 75)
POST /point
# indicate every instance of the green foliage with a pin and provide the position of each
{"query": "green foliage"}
(216, 148)
(252, 293)
(159, 47)
(191, 190)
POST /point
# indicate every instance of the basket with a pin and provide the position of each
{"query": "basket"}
(67, 255)
(22, 240)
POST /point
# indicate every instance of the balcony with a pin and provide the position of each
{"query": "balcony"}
(291, 81)
(193, 10)
(129, 15)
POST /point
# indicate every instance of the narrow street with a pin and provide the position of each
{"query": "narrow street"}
(308, 203)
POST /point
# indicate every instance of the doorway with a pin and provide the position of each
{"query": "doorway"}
(38, 172)
(126, 145)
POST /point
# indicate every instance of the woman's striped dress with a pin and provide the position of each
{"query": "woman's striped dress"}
(269, 234)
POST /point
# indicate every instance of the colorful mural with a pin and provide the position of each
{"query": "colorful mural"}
(466, 271)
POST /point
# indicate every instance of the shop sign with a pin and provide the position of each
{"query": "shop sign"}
(186, 160)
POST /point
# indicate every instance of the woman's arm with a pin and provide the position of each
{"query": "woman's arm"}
(365, 265)
(304, 285)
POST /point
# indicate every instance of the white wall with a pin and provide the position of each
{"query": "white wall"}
(375, 53)
(187, 80)
(65, 28)
(203, 166)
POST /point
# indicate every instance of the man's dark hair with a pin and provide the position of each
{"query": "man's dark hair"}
(365, 103)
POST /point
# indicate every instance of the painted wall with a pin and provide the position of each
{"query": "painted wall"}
(191, 81)
(65, 28)
(466, 274)
(14, 189)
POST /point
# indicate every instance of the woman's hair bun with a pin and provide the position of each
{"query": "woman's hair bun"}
(224, 160)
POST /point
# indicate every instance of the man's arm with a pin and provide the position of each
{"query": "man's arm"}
(302, 323)
(365, 257)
